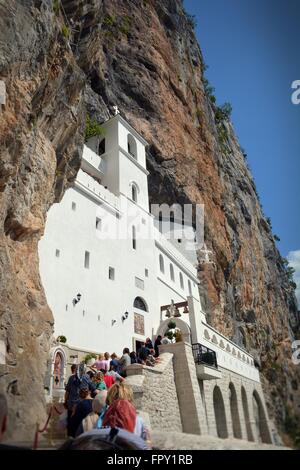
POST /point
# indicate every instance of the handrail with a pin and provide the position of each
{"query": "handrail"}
(45, 427)
(204, 355)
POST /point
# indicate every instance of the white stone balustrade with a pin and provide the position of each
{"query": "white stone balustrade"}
(229, 355)
(89, 183)
(91, 158)
(166, 246)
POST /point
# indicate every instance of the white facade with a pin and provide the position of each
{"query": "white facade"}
(102, 250)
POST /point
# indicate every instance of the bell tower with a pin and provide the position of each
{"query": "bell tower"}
(122, 152)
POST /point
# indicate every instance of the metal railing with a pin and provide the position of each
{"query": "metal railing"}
(204, 355)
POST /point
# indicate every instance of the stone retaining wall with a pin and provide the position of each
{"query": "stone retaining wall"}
(155, 393)
(232, 406)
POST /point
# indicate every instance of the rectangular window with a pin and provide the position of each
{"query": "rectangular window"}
(139, 283)
(146, 273)
(73, 206)
(134, 237)
(87, 259)
(111, 273)
(98, 223)
(57, 253)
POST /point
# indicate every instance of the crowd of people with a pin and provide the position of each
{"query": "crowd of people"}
(100, 413)
(100, 398)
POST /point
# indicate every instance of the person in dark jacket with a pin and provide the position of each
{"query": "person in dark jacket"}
(72, 393)
(149, 344)
(133, 357)
(156, 344)
(83, 408)
(143, 354)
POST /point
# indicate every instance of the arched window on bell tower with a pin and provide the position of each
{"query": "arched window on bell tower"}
(134, 192)
(131, 146)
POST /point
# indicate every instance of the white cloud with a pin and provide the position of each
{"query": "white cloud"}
(294, 260)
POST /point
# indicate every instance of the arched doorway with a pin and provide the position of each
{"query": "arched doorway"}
(58, 370)
(234, 411)
(220, 415)
(181, 324)
(261, 424)
(246, 415)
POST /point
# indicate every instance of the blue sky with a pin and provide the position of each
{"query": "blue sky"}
(252, 48)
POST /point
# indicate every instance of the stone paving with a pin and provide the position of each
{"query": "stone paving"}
(182, 441)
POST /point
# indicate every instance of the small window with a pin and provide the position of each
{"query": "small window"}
(73, 206)
(190, 287)
(139, 283)
(172, 272)
(98, 223)
(98, 317)
(161, 264)
(111, 273)
(146, 273)
(134, 192)
(101, 148)
(160, 222)
(134, 237)
(179, 240)
(57, 253)
(143, 221)
(87, 259)
(181, 280)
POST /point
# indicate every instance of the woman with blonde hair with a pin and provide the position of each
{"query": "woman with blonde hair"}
(121, 412)
(119, 391)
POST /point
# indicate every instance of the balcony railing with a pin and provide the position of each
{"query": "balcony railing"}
(204, 355)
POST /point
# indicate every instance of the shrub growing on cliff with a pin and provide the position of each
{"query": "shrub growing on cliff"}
(223, 113)
(56, 6)
(289, 271)
(109, 20)
(125, 25)
(66, 31)
(92, 128)
(191, 19)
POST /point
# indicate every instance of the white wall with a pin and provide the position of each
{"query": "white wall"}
(73, 232)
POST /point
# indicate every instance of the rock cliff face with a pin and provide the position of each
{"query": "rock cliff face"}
(62, 57)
